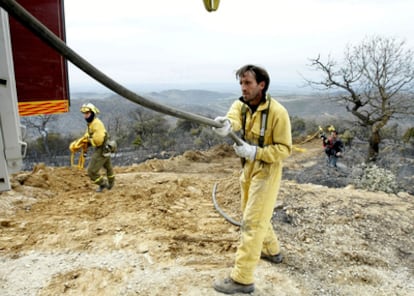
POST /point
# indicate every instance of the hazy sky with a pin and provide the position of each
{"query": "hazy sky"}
(179, 43)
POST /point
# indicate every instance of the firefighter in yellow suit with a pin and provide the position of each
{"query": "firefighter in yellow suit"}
(97, 137)
(265, 127)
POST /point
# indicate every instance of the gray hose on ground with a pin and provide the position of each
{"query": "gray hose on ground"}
(216, 206)
(47, 36)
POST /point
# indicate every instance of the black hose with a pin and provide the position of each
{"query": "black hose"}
(220, 210)
(47, 36)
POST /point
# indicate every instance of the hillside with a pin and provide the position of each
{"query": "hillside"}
(158, 233)
(202, 102)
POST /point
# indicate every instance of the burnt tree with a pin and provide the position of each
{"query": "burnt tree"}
(375, 82)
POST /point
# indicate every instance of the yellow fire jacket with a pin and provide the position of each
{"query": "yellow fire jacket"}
(96, 132)
(277, 138)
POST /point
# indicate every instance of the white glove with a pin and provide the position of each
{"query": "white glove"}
(226, 129)
(245, 151)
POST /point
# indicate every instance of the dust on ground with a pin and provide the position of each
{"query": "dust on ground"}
(157, 232)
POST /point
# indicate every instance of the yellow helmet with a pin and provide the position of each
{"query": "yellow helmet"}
(89, 107)
(331, 128)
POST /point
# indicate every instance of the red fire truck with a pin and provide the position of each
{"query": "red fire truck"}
(33, 79)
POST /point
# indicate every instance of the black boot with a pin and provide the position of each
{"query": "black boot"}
(278, 258)
(229, 286)
(101, 187)
(111, 182)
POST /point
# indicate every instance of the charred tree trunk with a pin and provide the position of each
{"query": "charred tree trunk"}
(374, 142)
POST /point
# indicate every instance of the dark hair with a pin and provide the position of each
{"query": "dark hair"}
(259, 73)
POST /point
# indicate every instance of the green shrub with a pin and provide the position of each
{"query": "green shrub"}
(372, 178)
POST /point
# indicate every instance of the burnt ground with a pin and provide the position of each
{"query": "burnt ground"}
(157, 231)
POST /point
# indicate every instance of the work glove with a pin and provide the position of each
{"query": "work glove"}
(245, 151)
(226, 129)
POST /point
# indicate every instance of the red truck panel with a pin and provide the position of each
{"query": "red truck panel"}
(41, 73)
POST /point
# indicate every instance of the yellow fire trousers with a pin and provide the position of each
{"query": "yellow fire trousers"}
(260, 183)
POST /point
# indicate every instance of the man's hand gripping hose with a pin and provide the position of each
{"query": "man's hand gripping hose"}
(246, 151)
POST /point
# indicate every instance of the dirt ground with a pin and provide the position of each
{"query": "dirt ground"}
(157, 232)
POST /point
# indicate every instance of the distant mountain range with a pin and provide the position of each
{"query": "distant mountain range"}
(202, 102)
(301, 105)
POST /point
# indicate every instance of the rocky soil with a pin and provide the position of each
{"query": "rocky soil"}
(157, 231)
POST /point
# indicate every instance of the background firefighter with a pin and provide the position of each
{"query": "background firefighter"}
(333, 147)
(97, 138)
(266, 132)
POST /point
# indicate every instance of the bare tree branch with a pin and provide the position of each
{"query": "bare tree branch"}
(375, 81)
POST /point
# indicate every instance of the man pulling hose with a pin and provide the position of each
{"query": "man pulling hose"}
(266, 133)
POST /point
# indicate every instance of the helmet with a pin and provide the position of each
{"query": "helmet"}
(331, 128)
(89, 107)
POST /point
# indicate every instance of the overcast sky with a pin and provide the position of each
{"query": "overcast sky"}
(179, 43)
